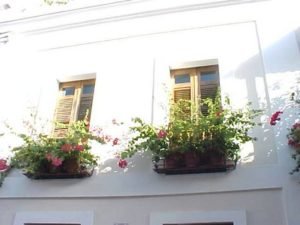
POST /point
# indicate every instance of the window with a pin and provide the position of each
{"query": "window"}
(236, 217)
(74, 101)
(54, 218)
(195, 83)
(201, 224)
(51, 224)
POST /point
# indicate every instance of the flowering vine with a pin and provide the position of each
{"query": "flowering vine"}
(294, 132)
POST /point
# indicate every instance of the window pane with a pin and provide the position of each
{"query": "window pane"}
(209, 76)
(88, 89)
(184, 78)
(68, 91)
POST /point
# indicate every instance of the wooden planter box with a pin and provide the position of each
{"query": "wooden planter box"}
(61, 175)
(193, 163)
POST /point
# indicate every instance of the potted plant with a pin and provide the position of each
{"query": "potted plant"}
(293, 135)
(294, 142)
(192, 141)
(4, 168)
(45, 156)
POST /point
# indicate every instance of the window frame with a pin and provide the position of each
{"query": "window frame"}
(195, 82)
(237, 217)
(73, 105)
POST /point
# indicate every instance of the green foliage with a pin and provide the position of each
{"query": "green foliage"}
(40, 150)
(222, 130)
(294, 141)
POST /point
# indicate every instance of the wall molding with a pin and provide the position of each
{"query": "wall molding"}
(136, 11)
(236, 217)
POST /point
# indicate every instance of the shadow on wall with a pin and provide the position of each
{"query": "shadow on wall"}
(268, 87)
(139, 162)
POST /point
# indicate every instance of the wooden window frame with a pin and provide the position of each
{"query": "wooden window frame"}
(68, 109)
(195, 82)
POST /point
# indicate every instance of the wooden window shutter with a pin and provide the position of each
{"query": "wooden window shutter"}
(184, 93)
(75, 99)
(86, 100)
(209, 83)
(183, 81)
(195, 83)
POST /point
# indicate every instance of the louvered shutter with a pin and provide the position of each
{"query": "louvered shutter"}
(209, 85)
(184, 93)
(208, 91)
(85, 105)
(64, 109)
(75, 100)
(64, 112)
(86, 99)
(63, 115)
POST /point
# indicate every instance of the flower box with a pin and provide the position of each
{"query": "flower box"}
(203, 164)
(61, 175)
(193, 142)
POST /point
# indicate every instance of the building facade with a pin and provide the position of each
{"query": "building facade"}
(129, 49)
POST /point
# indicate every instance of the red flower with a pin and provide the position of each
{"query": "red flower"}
(162, 134)
(275, 118)
(116, 141)
(296, 125)
(79, 148)
(122, 163)
(3, 164)
(297, 145)
(56, 161)
(291, 142)
(66, 147)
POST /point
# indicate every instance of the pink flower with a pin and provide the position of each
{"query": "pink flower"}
(97, 130)
(297, 145)
(162, 134)
(66, 147)
(79, 148)
(275, 117)
(291, 142)
(122, 163)
(48, 156)
(107, 138)
(115, 141)
(56, 161)
(3, 164)
(296, 125)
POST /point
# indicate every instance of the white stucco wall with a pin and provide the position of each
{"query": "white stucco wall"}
(142, 210)
(258, 62)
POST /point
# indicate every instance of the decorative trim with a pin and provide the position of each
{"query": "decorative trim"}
(118, 17)
(88, 76)
(83, 218)
(236, 217)
(192, 64)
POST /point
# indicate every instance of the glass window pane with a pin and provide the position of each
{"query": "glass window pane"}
(184, 78)
(88, 89)
(68, 91)
(209, 76)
